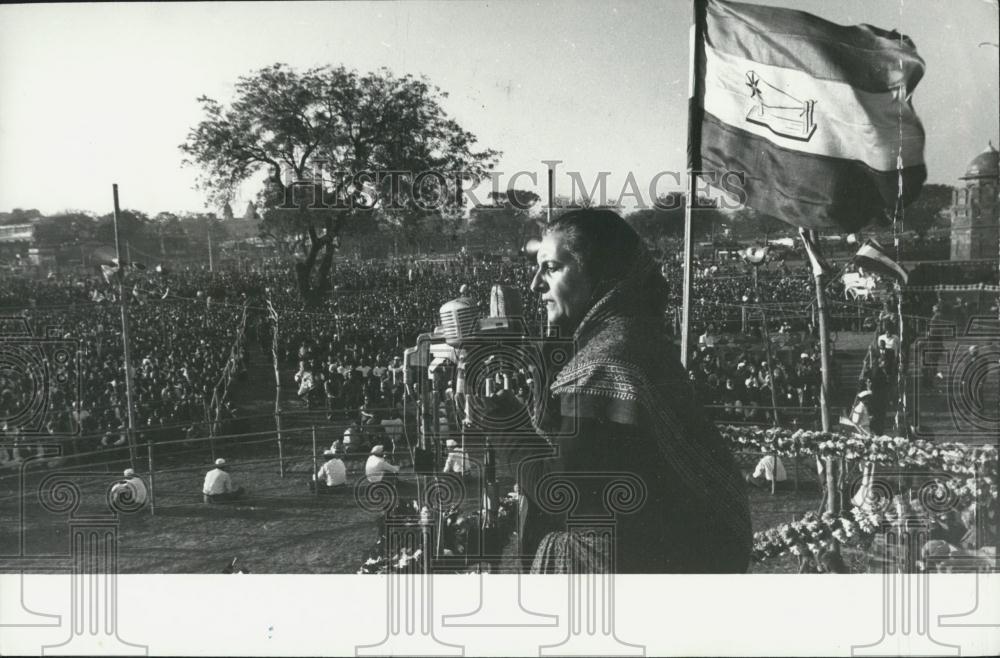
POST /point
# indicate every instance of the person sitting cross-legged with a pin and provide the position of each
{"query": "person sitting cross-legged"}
(332, 475)
(378, 467)
(131, 490)
(218, 487)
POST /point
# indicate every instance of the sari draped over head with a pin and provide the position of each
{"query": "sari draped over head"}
(624, 373)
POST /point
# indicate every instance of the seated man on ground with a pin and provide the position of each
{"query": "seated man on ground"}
(332, 475)
(769, 468)
(131, 491)
(377, 466)
(218, 487)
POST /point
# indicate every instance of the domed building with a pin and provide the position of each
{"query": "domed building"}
(975, 210)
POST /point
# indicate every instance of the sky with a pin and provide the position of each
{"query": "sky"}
(95, 94)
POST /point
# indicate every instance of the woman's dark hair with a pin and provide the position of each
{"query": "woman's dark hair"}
(601, 242)
(606, 248)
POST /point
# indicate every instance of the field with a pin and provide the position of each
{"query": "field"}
(279, 528)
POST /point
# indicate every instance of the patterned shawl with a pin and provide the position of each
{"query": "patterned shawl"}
(623, 371)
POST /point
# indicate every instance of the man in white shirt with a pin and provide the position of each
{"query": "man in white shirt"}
(218, 487)
(131, 491)
(890, 339)
(332, 475)
(377, 466)
(769, 468)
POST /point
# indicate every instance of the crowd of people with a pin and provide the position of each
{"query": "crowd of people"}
(344, 355)
(737, 384)
(727, 293)
(73, 380)
(347, 353)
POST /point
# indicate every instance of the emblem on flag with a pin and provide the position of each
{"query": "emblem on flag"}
(793, 118)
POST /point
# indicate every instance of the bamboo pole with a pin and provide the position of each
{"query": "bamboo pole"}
(281, 451)
(901, 410)
(152, 479)
(832, 495)
(122, 303)
(277, 388)
(314, 480)
(695, 113)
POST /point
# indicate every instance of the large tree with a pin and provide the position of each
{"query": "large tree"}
(19, 216)
(301, 127)
(930, 210)
(65, 228)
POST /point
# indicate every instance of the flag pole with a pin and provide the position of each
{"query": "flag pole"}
(125, 341)
(901, 415)
(831, 465)
(695, 93)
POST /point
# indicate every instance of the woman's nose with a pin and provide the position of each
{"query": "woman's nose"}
(538, 283)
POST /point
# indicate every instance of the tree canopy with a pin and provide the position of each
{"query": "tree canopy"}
(316, 134)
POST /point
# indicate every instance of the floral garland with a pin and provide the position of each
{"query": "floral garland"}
(815, 534)
(975, 466)
(812, 537)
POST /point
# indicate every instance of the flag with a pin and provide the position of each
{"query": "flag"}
(109, 271)
(816, 260)
(816, 115)
(874, 257)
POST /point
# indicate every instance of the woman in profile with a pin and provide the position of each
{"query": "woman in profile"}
(623, 404)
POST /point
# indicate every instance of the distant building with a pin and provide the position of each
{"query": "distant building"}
(15, 240)
(17, 233)
(975, 211)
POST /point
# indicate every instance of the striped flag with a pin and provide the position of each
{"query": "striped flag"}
(816, 115)
(873, 256)
(817, 263)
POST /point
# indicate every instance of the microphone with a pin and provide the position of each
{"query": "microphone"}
(458, 319)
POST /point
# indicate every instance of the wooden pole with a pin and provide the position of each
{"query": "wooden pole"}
(277, 387)
(901, 410)
(315, 481)
(281, 450)
(695, 112)
(211, 263)
(832, 494)
(152, 479)
(211, 432)
(122, 303)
